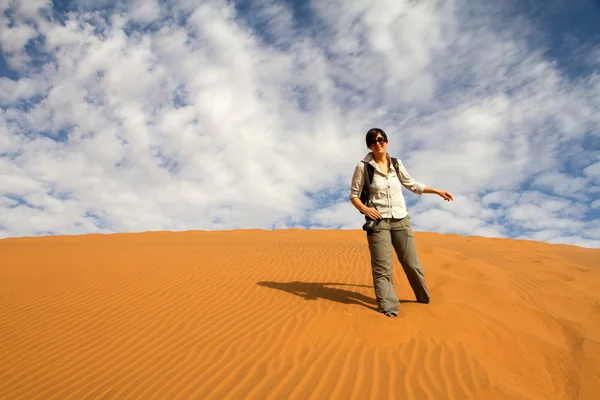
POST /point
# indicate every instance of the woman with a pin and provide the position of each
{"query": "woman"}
(393, 228)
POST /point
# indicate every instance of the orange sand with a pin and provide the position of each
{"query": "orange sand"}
(289, 314)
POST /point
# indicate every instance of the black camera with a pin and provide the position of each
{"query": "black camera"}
(369, 224)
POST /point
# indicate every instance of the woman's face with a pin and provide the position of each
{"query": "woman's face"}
(380, 145)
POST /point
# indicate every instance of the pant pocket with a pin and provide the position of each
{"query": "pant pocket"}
(407, 226)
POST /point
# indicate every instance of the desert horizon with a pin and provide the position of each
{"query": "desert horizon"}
(302, 229)
(291, 313)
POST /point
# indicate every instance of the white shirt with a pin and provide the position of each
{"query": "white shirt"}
(386, 190)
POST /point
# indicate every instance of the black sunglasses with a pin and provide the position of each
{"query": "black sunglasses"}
(379, 140)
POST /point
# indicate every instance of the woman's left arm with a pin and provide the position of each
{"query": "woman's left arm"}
(418, 188)
(444, 194)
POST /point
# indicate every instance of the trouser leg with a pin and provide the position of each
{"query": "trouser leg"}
(404, 243)
(380, 247)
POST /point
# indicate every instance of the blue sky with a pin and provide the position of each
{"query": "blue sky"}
(225, 115)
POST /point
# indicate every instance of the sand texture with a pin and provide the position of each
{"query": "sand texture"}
(290, 314)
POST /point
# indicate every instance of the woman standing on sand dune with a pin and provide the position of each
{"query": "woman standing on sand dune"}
(391, 227)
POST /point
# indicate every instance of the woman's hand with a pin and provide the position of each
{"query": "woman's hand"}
(444, 194)
(372, 213)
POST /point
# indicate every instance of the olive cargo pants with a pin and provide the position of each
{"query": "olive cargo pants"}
(395, 234)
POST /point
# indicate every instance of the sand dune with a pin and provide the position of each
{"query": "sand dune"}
(290, 314)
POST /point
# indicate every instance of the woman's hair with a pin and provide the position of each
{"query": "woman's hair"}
(372, 135)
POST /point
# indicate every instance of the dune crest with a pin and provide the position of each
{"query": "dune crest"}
(290, 314)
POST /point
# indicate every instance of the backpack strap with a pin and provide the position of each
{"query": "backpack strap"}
(396, 166)
(369, 171)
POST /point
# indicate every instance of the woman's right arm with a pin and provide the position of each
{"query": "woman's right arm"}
(358, 204)
(358, 179)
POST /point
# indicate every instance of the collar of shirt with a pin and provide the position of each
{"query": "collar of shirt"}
(371, 160)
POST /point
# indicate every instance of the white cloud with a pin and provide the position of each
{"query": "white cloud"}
(573, 240)
(562, 184)
(144, 10)
(15, 38)
(447, 222)
(23, 89)
(18, 29)
(342, 215)
(533, 217)
(552, 204)
(501, 198)
(593, 171)
(209, 125)
(30, 9)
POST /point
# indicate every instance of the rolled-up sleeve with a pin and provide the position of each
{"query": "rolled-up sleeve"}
(358, 179)
(408, 182)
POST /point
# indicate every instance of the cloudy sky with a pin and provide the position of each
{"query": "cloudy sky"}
(186, 115)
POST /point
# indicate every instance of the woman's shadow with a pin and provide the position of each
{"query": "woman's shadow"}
(328, 291)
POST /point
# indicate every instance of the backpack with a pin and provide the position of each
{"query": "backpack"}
(369, 171)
